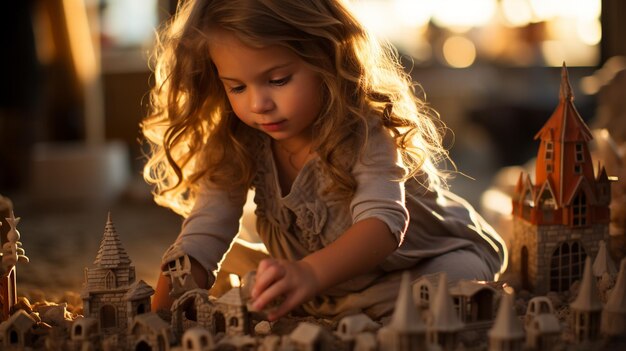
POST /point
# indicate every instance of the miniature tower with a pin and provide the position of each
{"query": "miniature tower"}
(614, 312)
(7, 281)
(110, 293)
(586, 309)
(11, 253)
(560, 219)
(406, 331)
(507, 333)
(444, 325)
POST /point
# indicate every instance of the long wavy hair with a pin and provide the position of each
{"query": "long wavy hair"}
(194, 135)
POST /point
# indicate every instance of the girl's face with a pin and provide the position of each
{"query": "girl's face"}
(270, 89)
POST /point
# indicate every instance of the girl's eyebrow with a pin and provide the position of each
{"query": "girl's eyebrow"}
(278, 66)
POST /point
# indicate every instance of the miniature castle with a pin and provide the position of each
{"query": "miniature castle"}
(559, 219)
(110, 293)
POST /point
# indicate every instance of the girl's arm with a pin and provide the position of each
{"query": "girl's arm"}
(359, 250)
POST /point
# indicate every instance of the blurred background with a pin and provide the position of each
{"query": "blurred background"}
(75, 86)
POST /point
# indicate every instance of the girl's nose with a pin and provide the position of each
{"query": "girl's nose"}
(261, 101)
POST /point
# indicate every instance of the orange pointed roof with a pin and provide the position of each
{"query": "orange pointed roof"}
(565, 124)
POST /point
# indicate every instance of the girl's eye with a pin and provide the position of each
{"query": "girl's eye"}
(280, 82)
(237, 89)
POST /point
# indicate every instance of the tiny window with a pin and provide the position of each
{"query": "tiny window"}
(579, 153)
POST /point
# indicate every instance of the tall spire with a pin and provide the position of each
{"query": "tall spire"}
(444, 317)
(405, 316)
(111, 253)
(587, 299)
(566, 88)
(506, 326)
(615, 308)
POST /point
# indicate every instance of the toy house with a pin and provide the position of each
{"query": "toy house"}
(84, 331)
(586, 309)
(507, 332)
(474, 301)
(16, 332)
(110, 294)
(543, 330)
(350, 326)
(198, 301)
(149, 332)
(310, 337)
(444, 324)
(231, 309)
(197, 339)
(561, 216)
(406, 331)
(613, 322)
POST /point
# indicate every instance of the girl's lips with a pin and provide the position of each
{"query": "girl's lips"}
(273, 127)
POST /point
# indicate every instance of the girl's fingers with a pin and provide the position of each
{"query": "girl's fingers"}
(268, 273)
(270, 295)
(290, 302)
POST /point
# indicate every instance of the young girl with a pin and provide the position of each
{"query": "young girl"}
(294, 99)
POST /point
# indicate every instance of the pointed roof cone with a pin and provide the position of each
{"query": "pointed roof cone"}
(405, 316)
(566, 88)
(444, 317)
(565, 124)
(602, 175)
(617, 297)
(603, 262)
(587, 299)
(111, 253)
(506, 326)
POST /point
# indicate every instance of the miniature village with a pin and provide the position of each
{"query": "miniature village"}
(561, 291)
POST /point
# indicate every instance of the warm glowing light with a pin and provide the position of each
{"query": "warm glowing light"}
(516, 12)
(553, 53)
(235, 282)
(413, 13)
(497, 201)
(586, 9)
(463, 13)
(589, 32)
(81, 44)
(459, 52)
(544, 9)
(573, 52)
(375, 15)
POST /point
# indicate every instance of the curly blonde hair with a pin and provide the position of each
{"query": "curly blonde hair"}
(193, 133)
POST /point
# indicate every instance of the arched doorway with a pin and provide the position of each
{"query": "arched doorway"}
(219, 322)
(482, 305)
(107, 317)
(143, 346)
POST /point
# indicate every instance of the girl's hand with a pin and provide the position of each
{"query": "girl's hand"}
(286, 283)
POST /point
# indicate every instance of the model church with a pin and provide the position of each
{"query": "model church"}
(560, 217)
